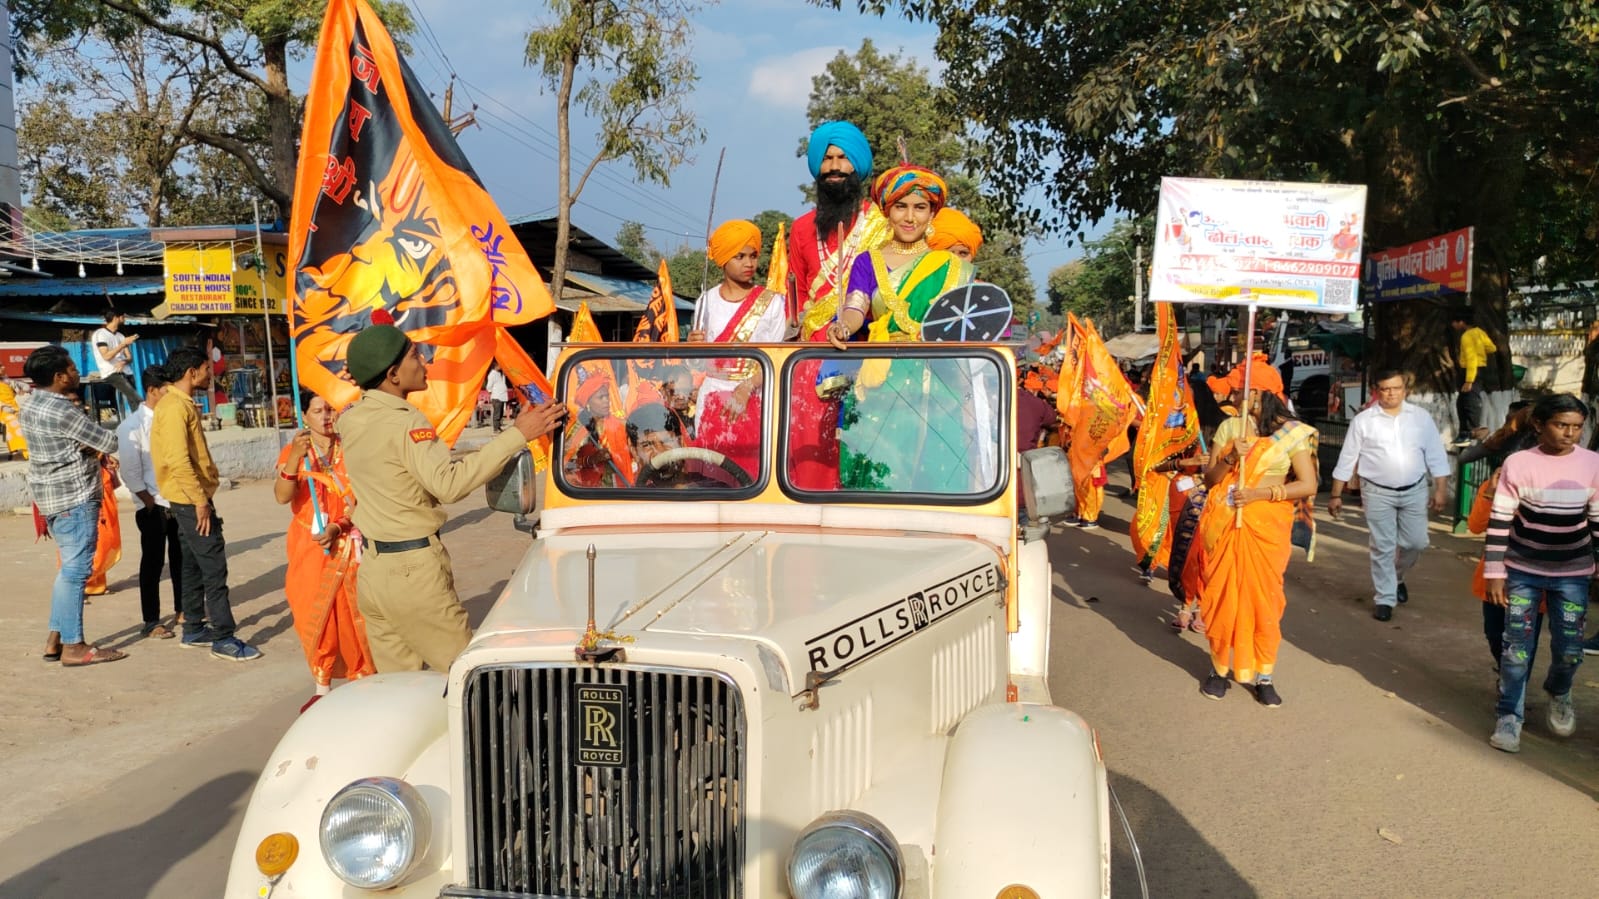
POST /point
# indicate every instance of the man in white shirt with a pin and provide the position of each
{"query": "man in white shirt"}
(112, 354)
(1395, 446)
(158, 530)
(499, 394)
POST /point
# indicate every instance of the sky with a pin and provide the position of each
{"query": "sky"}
(756, 59)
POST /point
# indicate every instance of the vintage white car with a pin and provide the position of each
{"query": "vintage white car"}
(779, 635)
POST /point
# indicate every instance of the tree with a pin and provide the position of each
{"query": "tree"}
(688, 271)
(1451, 113)
(633, 58)
(247, 44)
(71, 164)
(631, 240)
(1099, 284)
(891, 98)
(767, 220)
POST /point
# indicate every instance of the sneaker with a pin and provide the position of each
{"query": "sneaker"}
(1562, 715)
(1383, 613)
(234, 650)
(1590, 647)
(1089, 524)
(1404, 592)
(1507, 734)
(1146, 575)
(1266, 695)
(198, 639)
(1214, 687)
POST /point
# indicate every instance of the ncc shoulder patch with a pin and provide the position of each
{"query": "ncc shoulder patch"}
(423, 435)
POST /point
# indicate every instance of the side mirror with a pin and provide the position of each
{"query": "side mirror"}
(1047, 488)
(515, 489)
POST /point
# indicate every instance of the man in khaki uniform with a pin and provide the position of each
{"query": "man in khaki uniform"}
(402, 474)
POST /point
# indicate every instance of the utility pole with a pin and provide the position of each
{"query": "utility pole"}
(1138, 285)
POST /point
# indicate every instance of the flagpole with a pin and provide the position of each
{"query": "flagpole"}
(266, 314)
(1247, 425)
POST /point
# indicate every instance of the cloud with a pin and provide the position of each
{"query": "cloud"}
(786, 80)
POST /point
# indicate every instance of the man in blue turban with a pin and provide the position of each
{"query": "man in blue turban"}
(824, 241)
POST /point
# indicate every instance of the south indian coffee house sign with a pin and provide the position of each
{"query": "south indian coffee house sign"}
(224, 278)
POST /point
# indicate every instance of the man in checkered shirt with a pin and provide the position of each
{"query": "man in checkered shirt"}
(67, 450)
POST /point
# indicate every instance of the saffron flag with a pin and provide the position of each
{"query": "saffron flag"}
(390, 223)
(659, 324)
(1071, 370)
(1104, 408)
(1170, 426)
(777, 267)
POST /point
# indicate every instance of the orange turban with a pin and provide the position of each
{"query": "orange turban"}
(590, 386)
(951, 227)
(1262, 376)
(731, 237)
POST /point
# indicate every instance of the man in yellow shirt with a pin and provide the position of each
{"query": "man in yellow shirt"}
(1476, 375)
(188, 478)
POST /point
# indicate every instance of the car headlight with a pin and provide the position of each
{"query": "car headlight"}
(374, 831)
(845, 855)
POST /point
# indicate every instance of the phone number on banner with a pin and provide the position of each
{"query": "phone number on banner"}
(1314, 268)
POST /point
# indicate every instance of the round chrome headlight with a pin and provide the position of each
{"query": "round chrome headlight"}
(374, 831)
(845, 855)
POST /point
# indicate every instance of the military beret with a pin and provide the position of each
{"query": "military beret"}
(373, 351)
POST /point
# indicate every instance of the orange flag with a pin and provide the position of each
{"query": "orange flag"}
(777, 268)
(1170, 426)
(1104, 405)
(390, 223)
(659, 323)
(1071, 369)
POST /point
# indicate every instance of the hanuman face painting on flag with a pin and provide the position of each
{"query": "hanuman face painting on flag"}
(392, 224)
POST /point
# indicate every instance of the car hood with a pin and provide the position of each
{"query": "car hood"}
(819, 601)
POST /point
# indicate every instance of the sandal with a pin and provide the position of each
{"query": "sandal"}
(52, 647)
(157, 631)
(95, 656)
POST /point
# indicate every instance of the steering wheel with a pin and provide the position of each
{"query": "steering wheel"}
(699, 454)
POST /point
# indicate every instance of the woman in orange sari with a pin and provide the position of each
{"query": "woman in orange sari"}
(108, 549)
(1245, 533)
(322, 547)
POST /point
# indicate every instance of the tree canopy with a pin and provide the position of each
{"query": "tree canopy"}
(1452, 114)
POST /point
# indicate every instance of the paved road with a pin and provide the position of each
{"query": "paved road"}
(1374, 779)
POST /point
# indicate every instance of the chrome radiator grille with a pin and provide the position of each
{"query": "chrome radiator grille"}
(664, 819)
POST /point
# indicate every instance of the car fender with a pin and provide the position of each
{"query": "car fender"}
(392, 725)
(1024, 802)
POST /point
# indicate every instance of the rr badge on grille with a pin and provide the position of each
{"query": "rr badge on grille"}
(601, 737)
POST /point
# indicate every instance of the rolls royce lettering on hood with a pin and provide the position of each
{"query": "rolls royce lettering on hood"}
(856, 640)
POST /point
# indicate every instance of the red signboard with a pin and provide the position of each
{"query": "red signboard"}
(12, 355)
(1427, 268)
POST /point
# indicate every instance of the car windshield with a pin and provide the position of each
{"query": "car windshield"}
(912, 423)
(646, 421)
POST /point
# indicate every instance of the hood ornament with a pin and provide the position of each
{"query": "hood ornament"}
(589, 648)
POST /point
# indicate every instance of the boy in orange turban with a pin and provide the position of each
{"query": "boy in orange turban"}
(953, 231)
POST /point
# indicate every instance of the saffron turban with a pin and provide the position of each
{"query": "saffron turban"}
(731, 237)
(844, 136)
(1262, 376)
(901, 181)
(590, 386)
(951, 227)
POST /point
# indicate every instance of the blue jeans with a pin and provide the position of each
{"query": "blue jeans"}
(1397, 523)
(76, 532)
(1567, 599)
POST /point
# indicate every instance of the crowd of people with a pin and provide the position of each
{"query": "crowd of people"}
(370, 585)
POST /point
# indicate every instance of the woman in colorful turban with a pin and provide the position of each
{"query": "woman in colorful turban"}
(901, 412)
(953, 231)
(737, 310)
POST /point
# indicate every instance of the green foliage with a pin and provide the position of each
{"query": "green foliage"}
(633, 58)
(1099, 284)
(635, 245)
(692, 275)
(768, 220)
(71, 165)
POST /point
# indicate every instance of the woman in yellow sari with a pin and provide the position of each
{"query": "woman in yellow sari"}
(1245, 533)
(322, 550)
(10, 409)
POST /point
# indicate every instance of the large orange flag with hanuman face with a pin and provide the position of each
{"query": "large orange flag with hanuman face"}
(390, 223)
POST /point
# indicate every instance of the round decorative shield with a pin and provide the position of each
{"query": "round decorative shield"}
(976, 312)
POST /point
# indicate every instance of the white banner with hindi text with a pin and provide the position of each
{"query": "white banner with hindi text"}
(1269, 243)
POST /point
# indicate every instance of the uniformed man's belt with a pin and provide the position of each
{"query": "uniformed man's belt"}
(397, 546)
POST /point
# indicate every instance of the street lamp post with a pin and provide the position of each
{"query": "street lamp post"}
(1138, 285)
